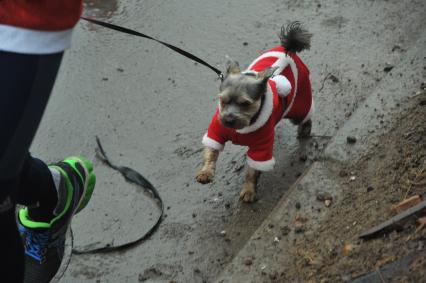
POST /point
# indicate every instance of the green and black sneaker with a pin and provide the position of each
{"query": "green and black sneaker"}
(45, 241)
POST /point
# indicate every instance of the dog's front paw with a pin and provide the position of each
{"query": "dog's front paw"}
(205, 176)
(248, 193)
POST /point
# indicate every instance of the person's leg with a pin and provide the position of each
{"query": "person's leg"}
(20, 115)
(52, 194)
(12, 260)
(37, 189)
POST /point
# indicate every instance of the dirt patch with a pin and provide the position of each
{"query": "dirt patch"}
(393, 170)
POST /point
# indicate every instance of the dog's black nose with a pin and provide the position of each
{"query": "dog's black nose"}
(229, 120)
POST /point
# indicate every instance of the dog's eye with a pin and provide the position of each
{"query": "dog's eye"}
(245, 104)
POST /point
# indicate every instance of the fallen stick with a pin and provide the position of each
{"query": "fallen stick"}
(395, 222)
(407, 203)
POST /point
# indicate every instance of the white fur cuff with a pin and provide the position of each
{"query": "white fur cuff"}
(261, 165)
(212, 143)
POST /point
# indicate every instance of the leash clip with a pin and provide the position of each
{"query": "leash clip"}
(221, 76)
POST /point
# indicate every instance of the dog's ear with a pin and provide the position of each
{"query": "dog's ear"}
(232, 68)
(259, 87)
(267, 73)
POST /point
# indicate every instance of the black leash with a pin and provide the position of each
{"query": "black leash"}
(133, 177)
(172, 47)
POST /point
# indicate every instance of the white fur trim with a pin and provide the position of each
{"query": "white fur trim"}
(265, 55)
(212, 143)
(261, 165)
(282, 84)
(311, 111)
(264, 115)
(289, 60)
(28, 41)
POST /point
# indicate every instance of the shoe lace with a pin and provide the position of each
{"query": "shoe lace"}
(36, 244)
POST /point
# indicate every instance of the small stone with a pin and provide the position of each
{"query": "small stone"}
(194, 215)
(120, 70)
(104, 79)
(334, 79)
(248, 262)
(262, 267)
(347, 249)
(285, 230)
(396, 47)
(190, 252)
(327, 202)
(369, 189)
(197, 270)
(352, 178)
(299, 228)
(276, 240)
(323, 196)
(388, 67)
(245, 43)
(351, 139)
(297, 205)
(227, 205)
(223, 232)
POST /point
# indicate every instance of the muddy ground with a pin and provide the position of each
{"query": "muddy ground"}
(150, 107)
(394, 169)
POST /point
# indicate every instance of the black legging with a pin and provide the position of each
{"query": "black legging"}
(25, 85)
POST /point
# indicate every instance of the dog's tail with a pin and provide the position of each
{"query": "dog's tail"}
(294, 38)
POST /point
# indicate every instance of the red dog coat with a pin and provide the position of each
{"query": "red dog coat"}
(288, 95)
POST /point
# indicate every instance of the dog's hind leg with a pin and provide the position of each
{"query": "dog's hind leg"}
(248, 191)
(304, 130)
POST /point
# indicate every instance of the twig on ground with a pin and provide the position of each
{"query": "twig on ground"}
(380, 275)
(323, 81)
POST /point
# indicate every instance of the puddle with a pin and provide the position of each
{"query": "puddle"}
(100, 9)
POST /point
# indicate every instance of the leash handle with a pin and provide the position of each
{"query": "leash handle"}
(172, 47)
(134, 177)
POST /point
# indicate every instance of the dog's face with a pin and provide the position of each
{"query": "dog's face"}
(240, 96)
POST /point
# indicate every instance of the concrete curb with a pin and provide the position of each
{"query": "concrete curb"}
(261, 258)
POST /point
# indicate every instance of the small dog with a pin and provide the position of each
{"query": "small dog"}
(275, 86)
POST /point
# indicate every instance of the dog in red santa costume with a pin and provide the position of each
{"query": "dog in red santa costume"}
(251, 102)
